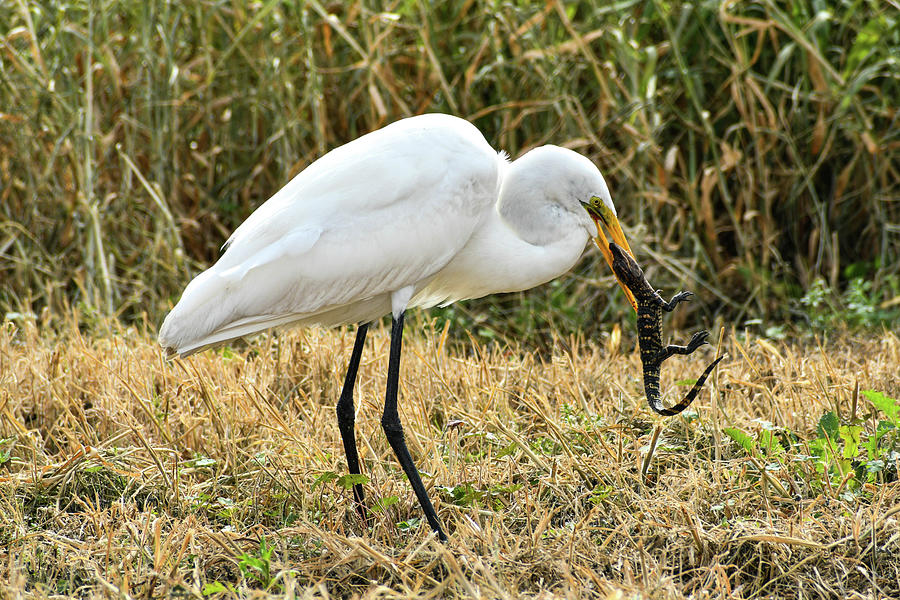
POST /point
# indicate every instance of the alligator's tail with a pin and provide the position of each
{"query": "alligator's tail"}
(651, 388)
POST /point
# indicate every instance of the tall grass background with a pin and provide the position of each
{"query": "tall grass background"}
(751, 147)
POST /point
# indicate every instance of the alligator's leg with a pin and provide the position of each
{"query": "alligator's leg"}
(697, 340)
(676, 299)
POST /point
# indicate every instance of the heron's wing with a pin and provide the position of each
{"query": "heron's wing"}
(385, 212)
(371, 173)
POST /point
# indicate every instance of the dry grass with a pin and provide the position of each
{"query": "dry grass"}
(126, 476)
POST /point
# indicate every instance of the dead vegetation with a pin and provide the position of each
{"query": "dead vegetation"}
(126, 476)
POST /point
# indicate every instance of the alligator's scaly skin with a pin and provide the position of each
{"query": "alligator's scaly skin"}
(649, 322)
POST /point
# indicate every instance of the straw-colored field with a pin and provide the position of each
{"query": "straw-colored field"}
(752, 152)
(126, 476)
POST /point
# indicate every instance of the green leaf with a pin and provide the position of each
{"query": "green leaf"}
(410, 524)
(866, 41)
(257, 567)
(770, 443)
(846, 466)
(264, 550)
(600, 492)
(875, 466)
(828, 426)
(686, 382)
(818, 447)
(326, 477)
(348, 481)
(382, 503)
(214, 588)
(850, 434)
(508, 450)
(745, 441)
(464, 494)
(871, 446)
(885, 404)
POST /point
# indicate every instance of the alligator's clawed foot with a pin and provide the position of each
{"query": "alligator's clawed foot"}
(677, 299)
(697, 340)
(681, 297)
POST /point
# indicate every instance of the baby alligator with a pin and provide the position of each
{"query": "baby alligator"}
(649, 322)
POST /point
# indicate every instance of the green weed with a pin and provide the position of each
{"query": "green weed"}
(468, 494)
(844, 456)
(258, 566)
(859, 305)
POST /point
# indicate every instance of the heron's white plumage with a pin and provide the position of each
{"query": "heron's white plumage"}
(421, 212)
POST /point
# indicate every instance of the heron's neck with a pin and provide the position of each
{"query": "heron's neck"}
(497, 258)
(533, 212)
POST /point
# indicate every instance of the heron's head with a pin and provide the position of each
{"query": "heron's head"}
(601, 210)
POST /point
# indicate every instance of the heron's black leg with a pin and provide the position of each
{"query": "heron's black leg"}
(390, 422)
(347, 417)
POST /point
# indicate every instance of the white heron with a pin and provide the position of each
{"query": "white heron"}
(422, 212)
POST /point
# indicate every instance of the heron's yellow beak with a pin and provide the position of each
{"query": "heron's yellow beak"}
(601, 213)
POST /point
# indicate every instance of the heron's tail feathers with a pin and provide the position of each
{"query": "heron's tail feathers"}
(203, 320)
